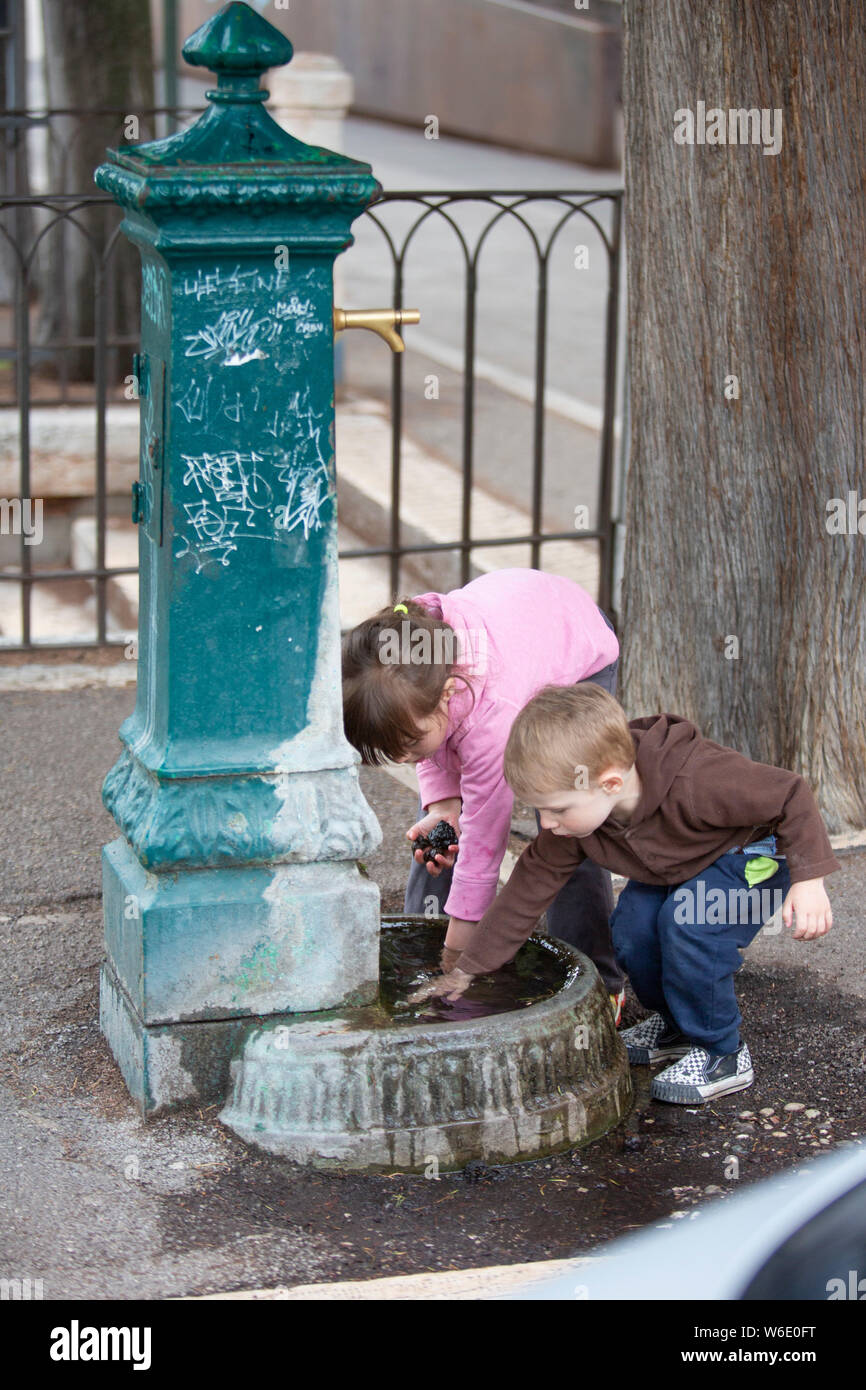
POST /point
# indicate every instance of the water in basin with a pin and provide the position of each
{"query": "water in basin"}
(409, 957)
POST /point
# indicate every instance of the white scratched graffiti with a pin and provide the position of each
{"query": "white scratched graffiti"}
(300, 310)
(204, 284)
(284, 419)
(305, 477)
(307, 492)
(210, 403)
(293, 308)
(230, 492)
(153, 294)
(240, 495)
(231, 477)
(236, 336)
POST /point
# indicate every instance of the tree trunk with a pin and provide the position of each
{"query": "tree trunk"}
(97, 55)
(742, 608)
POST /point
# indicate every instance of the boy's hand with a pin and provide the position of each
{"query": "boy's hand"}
(808, 901)
(436, 811)
(449, 986)
(457, 938)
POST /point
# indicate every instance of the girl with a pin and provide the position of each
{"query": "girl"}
(438, 681)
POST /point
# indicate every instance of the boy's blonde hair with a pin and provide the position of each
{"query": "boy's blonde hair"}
(566, 731)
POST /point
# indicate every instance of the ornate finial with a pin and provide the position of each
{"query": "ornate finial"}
(260, 166)
(238, 45)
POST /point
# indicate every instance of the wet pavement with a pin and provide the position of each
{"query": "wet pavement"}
(99, 1204)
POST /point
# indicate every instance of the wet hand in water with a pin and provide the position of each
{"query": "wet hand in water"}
(449, 959)
(450, 987)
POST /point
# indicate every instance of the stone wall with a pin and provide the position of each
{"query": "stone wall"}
(531, 77)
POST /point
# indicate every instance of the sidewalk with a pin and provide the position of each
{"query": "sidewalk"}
(97, 1204)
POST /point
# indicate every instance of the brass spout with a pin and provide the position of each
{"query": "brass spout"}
(382, 321)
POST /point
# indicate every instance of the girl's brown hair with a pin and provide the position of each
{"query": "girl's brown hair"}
(384, 697)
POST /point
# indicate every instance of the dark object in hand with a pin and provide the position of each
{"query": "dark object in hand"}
(437, 842)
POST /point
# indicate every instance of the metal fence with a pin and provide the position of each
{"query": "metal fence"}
(510, 204)
(43, 236)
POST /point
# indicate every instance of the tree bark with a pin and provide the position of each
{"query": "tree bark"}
(749, 264)
(97, 55)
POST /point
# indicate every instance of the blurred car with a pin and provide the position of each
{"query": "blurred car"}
(801, 1235)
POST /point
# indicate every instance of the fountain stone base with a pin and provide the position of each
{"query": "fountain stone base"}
(357, 1089)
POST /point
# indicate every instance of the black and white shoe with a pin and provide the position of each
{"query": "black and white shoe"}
(700, 1075)
(652, 1040)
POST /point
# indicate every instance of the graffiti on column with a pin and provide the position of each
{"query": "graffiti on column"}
(154, 294)
(255, 466)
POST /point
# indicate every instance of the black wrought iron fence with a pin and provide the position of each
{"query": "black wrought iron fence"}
(43, 237)
(62, 144)
(568, 204)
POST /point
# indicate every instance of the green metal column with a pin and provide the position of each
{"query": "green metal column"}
(234, 891)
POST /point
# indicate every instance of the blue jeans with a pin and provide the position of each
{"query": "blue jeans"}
(680, 945)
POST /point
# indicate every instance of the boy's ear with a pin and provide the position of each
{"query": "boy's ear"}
(611, 780)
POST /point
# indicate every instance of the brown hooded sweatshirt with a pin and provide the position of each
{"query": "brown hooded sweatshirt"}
(697, 800)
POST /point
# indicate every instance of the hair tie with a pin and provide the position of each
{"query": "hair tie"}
(401, 608)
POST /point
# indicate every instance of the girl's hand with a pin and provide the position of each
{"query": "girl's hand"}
(451, 986)
(459, 934)
(438, 810)
(808, 901)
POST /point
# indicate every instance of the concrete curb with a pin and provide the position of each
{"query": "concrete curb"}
(493, 1281)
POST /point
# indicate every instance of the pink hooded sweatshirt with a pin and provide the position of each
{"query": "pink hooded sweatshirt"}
(516, 631)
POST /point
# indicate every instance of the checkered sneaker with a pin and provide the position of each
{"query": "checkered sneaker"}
(700, 1075)
(652, 1040)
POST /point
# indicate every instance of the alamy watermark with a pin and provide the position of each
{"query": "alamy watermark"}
(726, 906)
(464, 647)
(22, 516)
(736, 126)
(846, 516)
(77, 1343)
(854, 1289)
(21, 1290)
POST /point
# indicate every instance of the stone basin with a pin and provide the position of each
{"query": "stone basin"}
(357, 1089)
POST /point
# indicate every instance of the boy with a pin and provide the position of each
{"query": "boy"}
(712, 844)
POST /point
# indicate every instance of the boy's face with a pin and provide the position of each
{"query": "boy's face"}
(581, 810)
